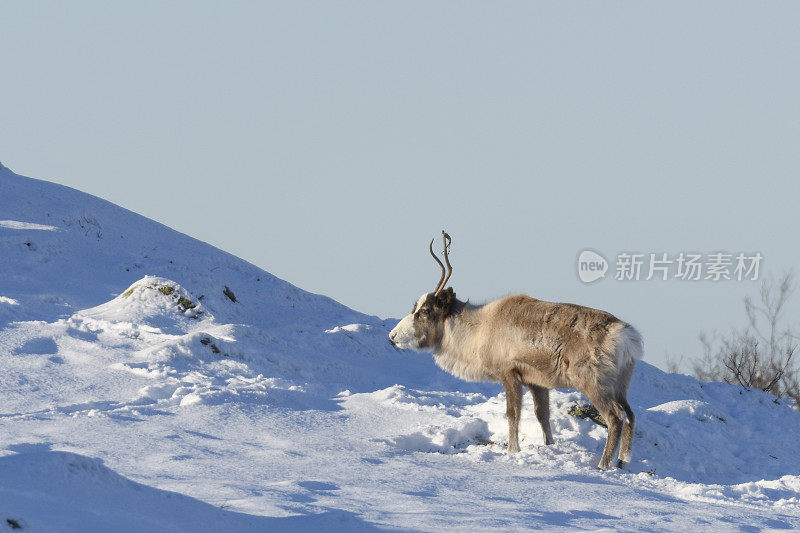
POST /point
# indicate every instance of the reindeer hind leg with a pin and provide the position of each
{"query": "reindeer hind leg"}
(627, 435)
(612, 412)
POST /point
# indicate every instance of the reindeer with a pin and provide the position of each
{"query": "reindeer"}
(520, 341)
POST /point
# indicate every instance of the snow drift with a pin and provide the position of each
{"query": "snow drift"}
(152, 381)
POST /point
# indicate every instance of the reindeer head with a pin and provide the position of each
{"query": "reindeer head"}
(424, 327)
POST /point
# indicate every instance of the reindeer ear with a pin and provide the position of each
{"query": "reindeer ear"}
(446, 298)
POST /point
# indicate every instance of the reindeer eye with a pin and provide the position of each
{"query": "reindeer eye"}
(424, 312)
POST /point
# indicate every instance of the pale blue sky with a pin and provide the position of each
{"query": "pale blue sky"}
(327, 142)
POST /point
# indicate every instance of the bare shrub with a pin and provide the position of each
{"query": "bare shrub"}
(759, 356)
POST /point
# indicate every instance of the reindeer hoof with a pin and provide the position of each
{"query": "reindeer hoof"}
(513, 449)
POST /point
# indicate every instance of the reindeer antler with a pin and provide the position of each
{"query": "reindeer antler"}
(436, 290)
(443, 280)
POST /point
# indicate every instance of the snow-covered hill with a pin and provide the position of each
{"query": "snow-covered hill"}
(152, 382)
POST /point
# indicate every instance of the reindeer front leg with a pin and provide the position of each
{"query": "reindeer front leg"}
(513, 387)
(541, 406)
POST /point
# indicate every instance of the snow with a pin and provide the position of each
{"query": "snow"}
(137, 396)
(16, 224)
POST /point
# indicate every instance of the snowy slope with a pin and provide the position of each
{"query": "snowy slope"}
(84, 250)
(136, 395)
